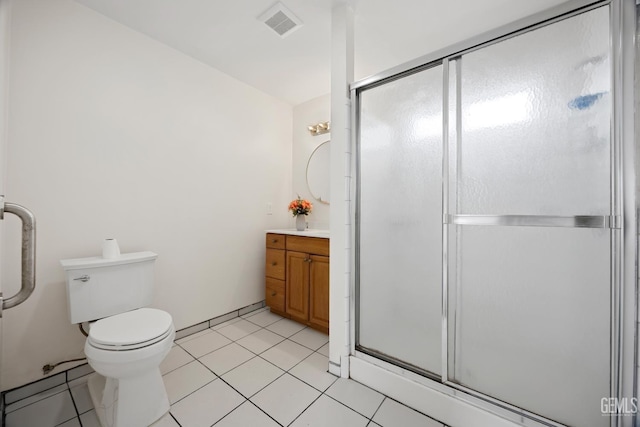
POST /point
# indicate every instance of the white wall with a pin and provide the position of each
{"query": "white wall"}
(308, 113)
(112, 134)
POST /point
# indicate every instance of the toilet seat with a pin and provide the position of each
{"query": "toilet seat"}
(131, 330)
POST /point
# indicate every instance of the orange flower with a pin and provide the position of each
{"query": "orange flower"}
(300, 207)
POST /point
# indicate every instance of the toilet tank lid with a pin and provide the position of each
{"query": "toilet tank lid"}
(97, 261)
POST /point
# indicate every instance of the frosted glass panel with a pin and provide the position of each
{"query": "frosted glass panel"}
(400, 275)
(532, 319)
(535, 122)
(531, 305)
(529, 134)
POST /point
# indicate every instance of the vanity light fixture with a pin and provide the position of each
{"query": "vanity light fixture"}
(320, 128)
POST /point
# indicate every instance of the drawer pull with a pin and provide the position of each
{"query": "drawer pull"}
(273, 294)
(274, 241)
(273, 264)
(307, 260)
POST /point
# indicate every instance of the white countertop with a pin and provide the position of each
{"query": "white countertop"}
(311, 232)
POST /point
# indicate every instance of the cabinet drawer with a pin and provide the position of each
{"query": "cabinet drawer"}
(274, 295)
(274, 266)
(275, 241)
(311, 245)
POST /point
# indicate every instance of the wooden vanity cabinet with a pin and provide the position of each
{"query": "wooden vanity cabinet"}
(306, 279)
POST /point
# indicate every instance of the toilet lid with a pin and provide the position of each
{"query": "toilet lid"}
(132, 329)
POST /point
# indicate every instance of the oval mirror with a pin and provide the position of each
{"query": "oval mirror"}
(318, 173)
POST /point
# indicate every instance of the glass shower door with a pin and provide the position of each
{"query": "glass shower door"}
(530, 230)
(400, 224)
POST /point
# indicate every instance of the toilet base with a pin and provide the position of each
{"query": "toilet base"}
(130, 402)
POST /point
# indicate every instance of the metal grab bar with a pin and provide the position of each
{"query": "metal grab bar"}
(28, 253)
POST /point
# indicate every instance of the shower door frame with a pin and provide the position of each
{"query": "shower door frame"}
(623, 219)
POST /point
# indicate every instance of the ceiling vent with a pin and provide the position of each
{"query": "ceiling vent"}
(281, 20)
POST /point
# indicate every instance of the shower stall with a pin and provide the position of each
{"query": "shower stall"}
(496, 218)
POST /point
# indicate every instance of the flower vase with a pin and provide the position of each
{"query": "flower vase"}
(301, 223)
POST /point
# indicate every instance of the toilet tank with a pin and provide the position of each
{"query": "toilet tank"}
(98, 287)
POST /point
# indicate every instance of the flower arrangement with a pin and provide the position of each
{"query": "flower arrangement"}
(300, 206)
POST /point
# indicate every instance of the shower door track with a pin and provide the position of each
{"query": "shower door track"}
(482, 401)
(449, 387)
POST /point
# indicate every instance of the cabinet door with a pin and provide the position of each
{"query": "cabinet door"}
(319, 289)
(297, 291)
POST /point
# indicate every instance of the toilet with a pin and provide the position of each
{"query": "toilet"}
(127, 340)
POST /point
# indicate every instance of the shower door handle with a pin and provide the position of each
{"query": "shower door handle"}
(579, 221)
(28, 253)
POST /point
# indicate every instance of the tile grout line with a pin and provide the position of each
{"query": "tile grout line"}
(238, 391)
(227, 414)
(199, 388)
(305, 409)
(234, 389)
(174, 418)
(248, 399)
(39, 399)
(261, 410)
(35, 394)
(271, 382)
(257, 354)
(236, 342)
(186, 351)
(206, 354)
(378, 408)
(288, 371)
(410, 408)
(349, 407)
(264, 412)
(303, 381)
(285, 339)
(75, 406)
(175, 369)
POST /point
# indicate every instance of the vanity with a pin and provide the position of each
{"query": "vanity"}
(297, 276)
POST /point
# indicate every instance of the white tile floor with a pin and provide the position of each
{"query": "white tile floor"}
(259, 370)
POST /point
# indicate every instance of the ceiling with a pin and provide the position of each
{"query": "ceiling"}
(228, 36)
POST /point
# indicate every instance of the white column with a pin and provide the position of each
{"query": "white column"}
(341, 187)
(626, 91)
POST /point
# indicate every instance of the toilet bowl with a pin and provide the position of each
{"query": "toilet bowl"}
(126, 350)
